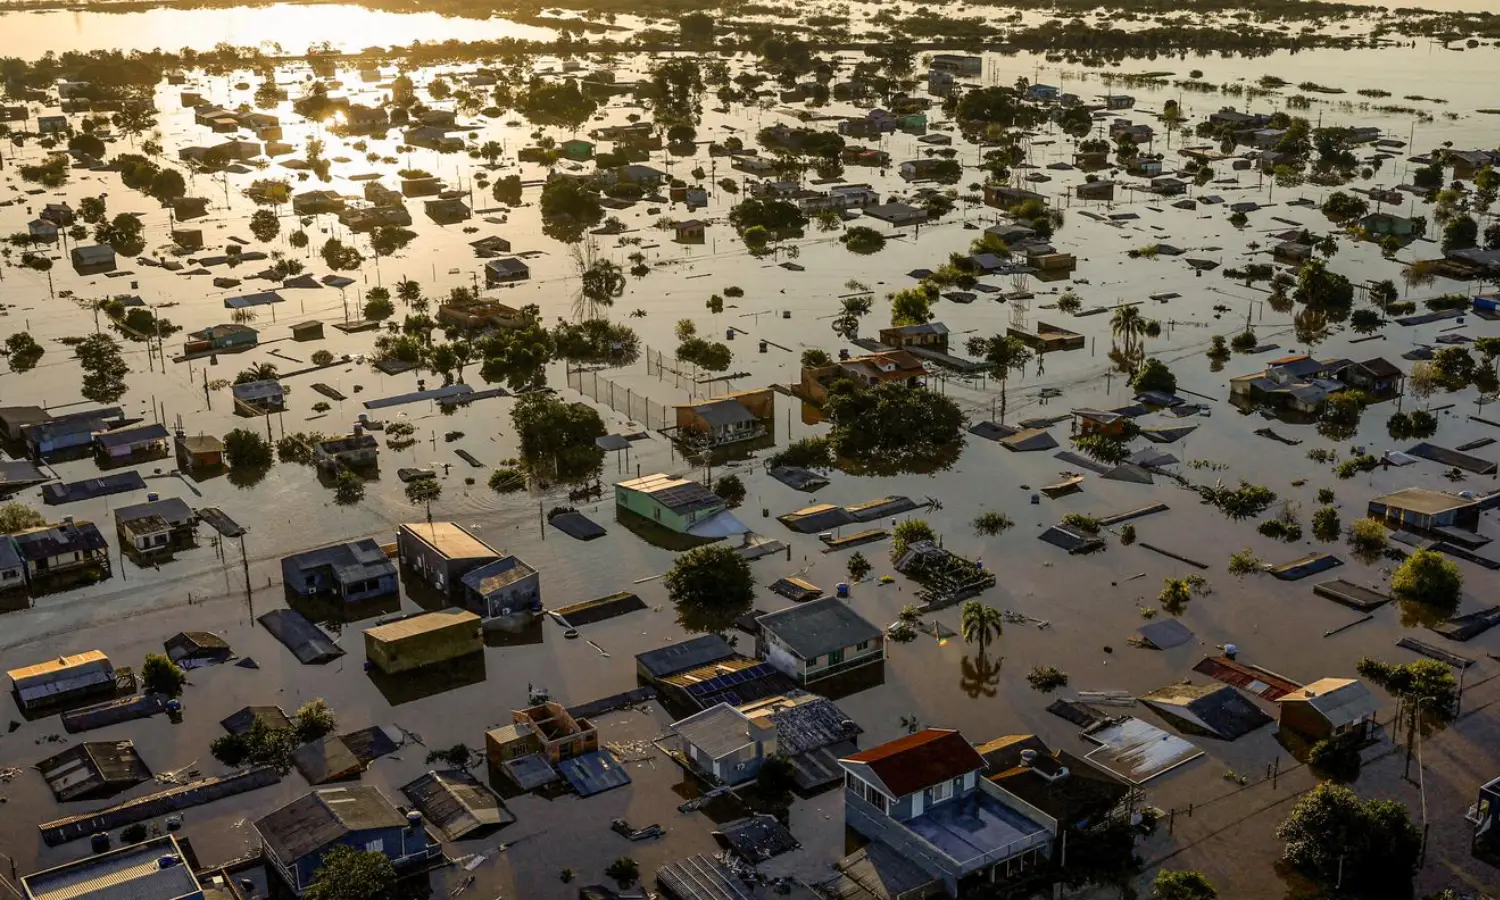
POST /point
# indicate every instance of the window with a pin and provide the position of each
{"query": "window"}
(862, 646)
(941, 792)
(375, 846)
(835, 657)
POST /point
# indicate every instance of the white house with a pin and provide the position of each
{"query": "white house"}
(353, 449)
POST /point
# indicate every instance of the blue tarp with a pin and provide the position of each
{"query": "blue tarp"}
(594, 773)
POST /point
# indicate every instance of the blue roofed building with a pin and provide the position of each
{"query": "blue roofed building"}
(923, 795)
(296, 837)
(353, 571)
(155, 869)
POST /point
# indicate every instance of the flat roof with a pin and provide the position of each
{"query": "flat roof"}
(450, 539)
(425, 623)
(1424, 501)
(60, 664)
(137, 872)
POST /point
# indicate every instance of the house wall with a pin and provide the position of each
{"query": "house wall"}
(523, 594)
(647, 506)
(13, 578)
(870, 822)
(439, 571)
(850, 658)
(1304, 720)
(427, 648)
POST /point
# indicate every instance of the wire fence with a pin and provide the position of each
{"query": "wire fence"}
(627, 401)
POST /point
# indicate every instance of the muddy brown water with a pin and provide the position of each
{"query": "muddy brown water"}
(1091, 603)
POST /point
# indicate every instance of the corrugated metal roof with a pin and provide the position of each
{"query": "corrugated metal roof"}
(137, 872)
(54, 668)
(320, 817)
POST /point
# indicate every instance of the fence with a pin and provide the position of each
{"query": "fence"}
(699, 384)
(634, 405)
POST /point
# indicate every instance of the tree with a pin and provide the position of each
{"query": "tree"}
(730, 489)
(600, 281)
(858, 566)
(490, 151)
(912, 306)
(15, 516)
(1344, 208)
(507, 190)
(1325, 524)
(893, 427)
(557, 438)
(92, 209)
(1182, 885)
(815, 358)
(863, 240)
(159, 675)
(1428, 577)
(247, 449)
(1128, 325)
(1425, 681)
(104, 369)
(123, 234)
(167, 185)
(264, 225)
(910, 532)
(979, 623)
(710, 586)
(350, 874)
(624, 870)
(262, 371)
(1460, 233)
(1154, 376)
(1002, 354)
(313, 720)
(378, 308)
(348, 488)
(1372, 845)
(569, 207)
(424, 492)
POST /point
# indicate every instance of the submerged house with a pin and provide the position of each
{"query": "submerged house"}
(899, 366)
(1423, 509)
(135, 442)
(423, 640)
(1329, 707)
(64, 547)
(928, 336)
(62, 680)
(350, 572)
(1297, 383)
(296, 837)
(923, 797)
(503, 587)
(724, 745)
(442, 553)
(818, 639)
(678, 504)
(1070, 789)
(738, 417)
(154, 869)
(354, 450)
(156, 526)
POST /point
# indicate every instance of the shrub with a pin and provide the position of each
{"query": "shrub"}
(992, 523)
(1428, 577)
(1325, 524)
(1047, 678)
(1081, 522)
(159, 675)
(730, 489)
(859, 567)
(1368, 538)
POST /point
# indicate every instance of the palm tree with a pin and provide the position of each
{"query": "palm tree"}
(1129, 325)
(259, 372)
(979, 623)
(1004, 354)
(980, 676)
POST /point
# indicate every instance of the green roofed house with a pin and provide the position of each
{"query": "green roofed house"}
(683, 506)
(819, 639)
(578, 149)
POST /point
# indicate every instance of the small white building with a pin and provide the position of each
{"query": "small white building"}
(353, 449)
(264, 395)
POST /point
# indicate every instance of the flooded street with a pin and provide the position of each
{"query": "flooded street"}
(1091, 605)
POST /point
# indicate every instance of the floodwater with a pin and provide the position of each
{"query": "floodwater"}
(1091, 604)
(274, 28)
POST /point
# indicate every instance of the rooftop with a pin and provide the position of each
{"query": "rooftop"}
(677, 494)
(150, 870)
(680, 657)
(450, 539)
(718, 731)
(919, 761)
(491, 577)
(318, 818)
(973, 826)
(1340, 700)
(353, 561)
(813, 629)
(1423, 500)
(423, 623)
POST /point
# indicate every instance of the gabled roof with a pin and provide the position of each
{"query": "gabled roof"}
(1342, 701)
(918, 761)
(718, 731)
(318, 818)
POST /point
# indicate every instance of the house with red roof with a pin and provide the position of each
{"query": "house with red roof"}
(924, 796)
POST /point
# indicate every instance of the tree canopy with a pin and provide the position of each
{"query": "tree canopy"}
(893, 427)
(1373, 843)
(711, 586)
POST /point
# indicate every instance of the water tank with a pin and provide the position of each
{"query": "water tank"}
(413, 820)
(99, 842)
(842, 589)
(152, 497)
(168, 862)
(1028, 758)
(1231, 651)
